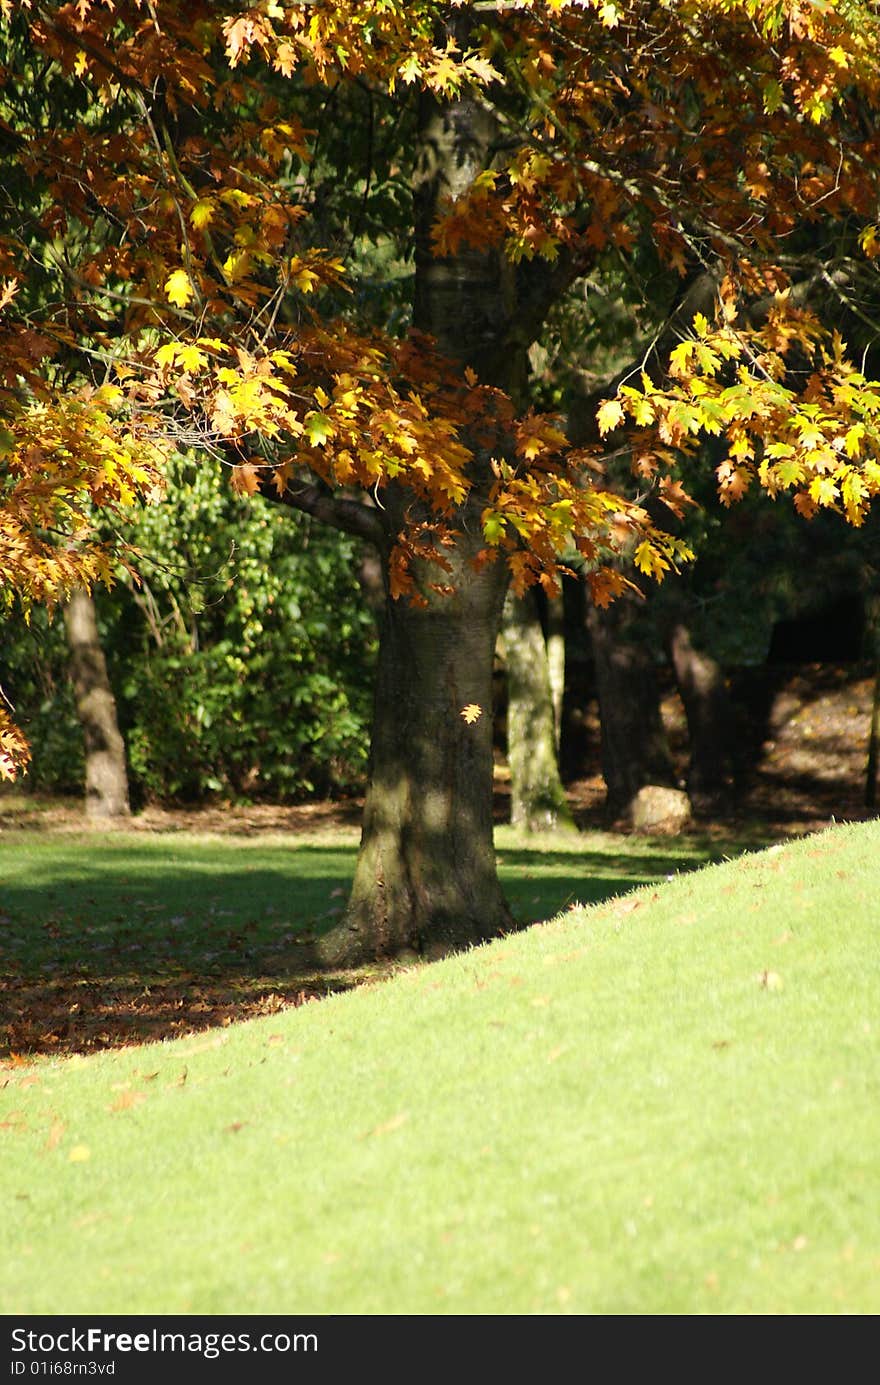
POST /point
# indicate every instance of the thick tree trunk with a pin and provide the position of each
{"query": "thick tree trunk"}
(635, 751)
(106, 775)
(538, 799)
(704, 694)
(426, 880)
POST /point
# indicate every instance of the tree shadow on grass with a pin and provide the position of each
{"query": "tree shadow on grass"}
(104, 945)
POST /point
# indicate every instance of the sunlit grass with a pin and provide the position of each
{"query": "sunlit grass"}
(667, 1103)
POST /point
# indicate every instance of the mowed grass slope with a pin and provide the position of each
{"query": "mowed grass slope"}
(666, 1103)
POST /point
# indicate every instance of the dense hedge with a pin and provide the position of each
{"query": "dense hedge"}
(241, 661)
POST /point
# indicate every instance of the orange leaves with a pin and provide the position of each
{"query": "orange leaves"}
(245, 479)
(14, 750)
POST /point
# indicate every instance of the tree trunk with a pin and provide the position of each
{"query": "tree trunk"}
(635, 751)
(426, 880)
(538, 799)
(106, 776)
(701, 685)
(874, 730)
(556, 659)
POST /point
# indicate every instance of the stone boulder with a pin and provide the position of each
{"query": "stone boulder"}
(659, 812)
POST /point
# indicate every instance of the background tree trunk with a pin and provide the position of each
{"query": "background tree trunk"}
(556, 659)
(700, 682)
(106, 775)
(873, 622)
(538, 801)
(635, 751)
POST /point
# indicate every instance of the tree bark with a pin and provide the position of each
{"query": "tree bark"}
(874, 730)
(538, 801)
(701, 684)
(635, 751)
(106, 775)
(426, 880)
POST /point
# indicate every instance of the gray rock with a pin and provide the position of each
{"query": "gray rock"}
(659, 812)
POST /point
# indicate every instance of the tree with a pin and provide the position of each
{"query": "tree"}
(538, 801)
(106, 772)
(539, 140)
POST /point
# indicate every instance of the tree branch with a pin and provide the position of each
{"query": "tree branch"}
(351, 516)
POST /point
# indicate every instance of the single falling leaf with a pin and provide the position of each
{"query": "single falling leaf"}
(79, 1154)
(471, 713)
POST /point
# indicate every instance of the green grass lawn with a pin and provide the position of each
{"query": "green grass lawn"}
(130, 936)
(668, 1102)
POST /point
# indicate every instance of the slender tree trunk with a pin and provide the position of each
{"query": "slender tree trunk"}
(106, 776)
(701, 685)
(874, 732)
(538, 799)
(635, 751)
(556, 659)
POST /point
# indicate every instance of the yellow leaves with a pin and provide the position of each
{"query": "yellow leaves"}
(649, 561)
(609, 416)
(471, 713)
(609, 14)
(202, 213)
(79, 1154)
(109, 395)
(823, 490)
(178, 288)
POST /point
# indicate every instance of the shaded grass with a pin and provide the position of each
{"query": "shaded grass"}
(668, 1103)
(108, 938)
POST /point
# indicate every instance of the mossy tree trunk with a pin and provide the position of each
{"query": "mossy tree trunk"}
(538, 799)
(556, 659)
(426, 880)
(106, 774)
